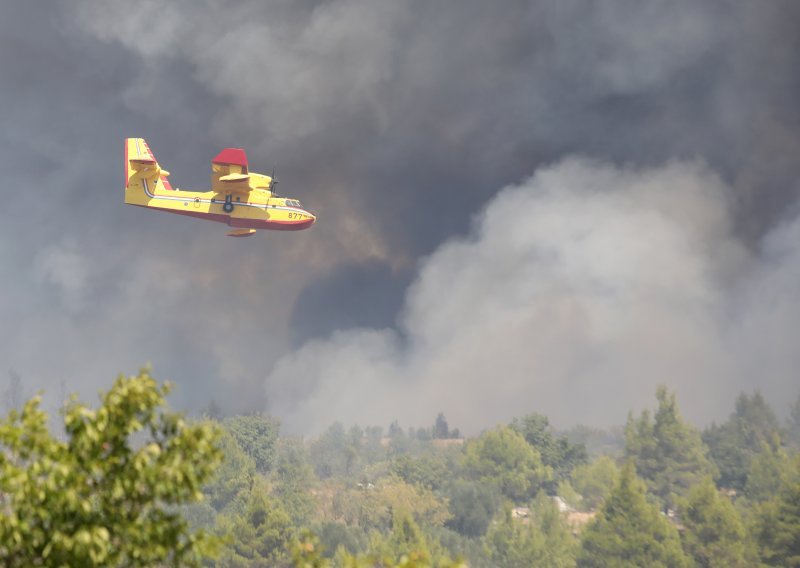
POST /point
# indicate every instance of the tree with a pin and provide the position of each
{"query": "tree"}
(332, 453)
(793, 425)
(440, 427)
(714, 535)
(257, 435)
(503, 457)
(472, 505)
(294, 479)
(734, 444)
(595, 481)
(629, 531)
(777, 525)
(543, 541)
(669, 454)
(556, 452)
(430, 471)
(259, 537)
(98, 499)
(233, 478)
(373, 507)
(769, 469)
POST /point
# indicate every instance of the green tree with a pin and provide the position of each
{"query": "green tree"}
(428, 470)
(257, 436)
(669, 454)
(233, 478)
(556, 452)
(98, 498)
(406, 545)
(503, 457)
(793, 425)
(714, 535)
(769, 470)
(734, 444)
(373, 507)
(545, 540)
(261, 536)
(333, 453)
(440, 428)
(473, 505)
(294, 481)
(629, 531)
(777, 524)
(595, 481)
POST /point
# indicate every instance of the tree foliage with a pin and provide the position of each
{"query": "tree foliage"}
(669, 454)
(556, 451)
(259, 537)
(777, 524)
(543, 540)
(769, 470)
(793, 425)
(373, 507)
(594, 481)
(503, 457)
(714, 535)
(629, 531)
(472, 505)
(734, 444)
(256, 435)
(233, 478)
(98, 498)
(294, 481)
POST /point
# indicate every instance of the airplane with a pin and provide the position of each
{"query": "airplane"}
(244, 200)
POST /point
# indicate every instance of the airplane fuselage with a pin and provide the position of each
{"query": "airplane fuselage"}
(257, 209)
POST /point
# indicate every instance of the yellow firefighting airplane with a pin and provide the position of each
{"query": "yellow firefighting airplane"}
(244, 200)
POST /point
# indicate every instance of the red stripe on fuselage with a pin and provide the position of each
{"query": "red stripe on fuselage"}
(240, 223)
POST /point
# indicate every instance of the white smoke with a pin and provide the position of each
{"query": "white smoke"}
(578, 292)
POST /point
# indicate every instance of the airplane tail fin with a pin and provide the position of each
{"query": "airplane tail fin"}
(140, 163)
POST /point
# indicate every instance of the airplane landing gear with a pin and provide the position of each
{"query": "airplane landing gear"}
(228, 205)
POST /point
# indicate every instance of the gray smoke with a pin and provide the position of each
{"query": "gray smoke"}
(397, 124)
(576, 294)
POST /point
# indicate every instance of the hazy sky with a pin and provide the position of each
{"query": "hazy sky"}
(546, 206)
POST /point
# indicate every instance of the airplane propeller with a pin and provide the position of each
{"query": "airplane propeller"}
(273, 181)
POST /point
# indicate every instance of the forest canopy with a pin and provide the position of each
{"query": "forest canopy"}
(130, 483)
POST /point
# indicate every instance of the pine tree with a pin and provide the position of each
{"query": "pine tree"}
(669, 454)
(769, 470)
(793, 425)
(777, 526)
(543, 541)
(629, 531)
(714, 535)
(734, 444)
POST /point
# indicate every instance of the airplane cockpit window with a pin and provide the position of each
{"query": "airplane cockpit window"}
(293, 203)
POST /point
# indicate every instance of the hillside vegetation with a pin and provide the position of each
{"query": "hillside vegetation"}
(131, 484)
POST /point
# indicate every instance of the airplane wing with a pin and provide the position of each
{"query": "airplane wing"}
(229, 171)
(139, 160)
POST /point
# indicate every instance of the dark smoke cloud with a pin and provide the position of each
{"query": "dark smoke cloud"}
(395, 122)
